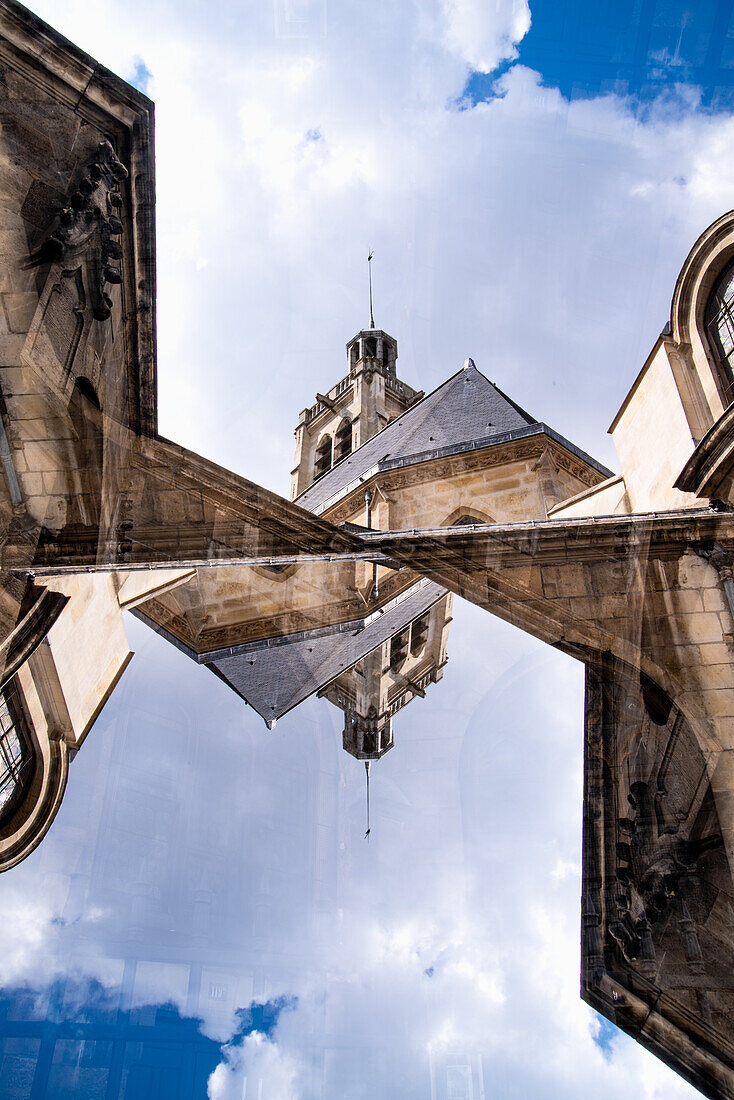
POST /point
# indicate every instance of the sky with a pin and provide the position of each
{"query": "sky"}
(531, 178)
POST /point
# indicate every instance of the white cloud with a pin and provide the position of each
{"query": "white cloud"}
(30, 936)
(437, 944)
(541, 237)
(486, 32)
(254, 1067)
(39, 925)
(280, 161)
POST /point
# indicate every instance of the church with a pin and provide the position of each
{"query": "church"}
(372, 453)
(400, 501)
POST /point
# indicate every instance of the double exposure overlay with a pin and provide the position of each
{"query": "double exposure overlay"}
(192, 898)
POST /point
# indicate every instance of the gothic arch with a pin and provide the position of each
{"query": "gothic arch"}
(343, 440)
(85, 413)
(36, 804)
(463, 516)
(276, 572)
(707, 388)
(323, 460)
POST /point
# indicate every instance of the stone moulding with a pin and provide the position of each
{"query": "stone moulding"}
(682, 317)
(478, 454)
(30, 632)
(709, 469)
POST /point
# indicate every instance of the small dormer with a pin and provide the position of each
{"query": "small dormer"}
(372, 350)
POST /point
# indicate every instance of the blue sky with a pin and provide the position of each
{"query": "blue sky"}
(635, 48)
(531, 180)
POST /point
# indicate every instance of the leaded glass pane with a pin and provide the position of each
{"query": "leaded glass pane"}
(15, 756)
(720, 317)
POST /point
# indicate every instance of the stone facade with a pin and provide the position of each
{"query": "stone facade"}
(354, 410)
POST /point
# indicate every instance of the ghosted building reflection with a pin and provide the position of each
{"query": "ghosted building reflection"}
(373, 453)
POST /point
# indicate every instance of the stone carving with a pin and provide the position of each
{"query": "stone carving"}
(93, 213)
(657, 893)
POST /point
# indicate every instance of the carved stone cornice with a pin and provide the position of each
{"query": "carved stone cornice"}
(660, 535)
(422, 469)
(712, 461)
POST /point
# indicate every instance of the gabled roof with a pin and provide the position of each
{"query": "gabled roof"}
(465, 407)
(277, 676)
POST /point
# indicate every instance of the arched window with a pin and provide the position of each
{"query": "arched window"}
(276, 572)
(419, 635)
(343, 441)
(17, 760)
(370, 347)
(720, 319)
(399, 649)
(369, 742)
(465, 517)
(322, 462)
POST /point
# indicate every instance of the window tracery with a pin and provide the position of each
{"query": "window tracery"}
(16, 756)
(719, 320)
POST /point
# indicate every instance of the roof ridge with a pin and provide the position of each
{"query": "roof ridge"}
(454, 409)
(523, 412)
(424, 405)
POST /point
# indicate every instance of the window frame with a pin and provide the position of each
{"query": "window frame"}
(19, 772)
(712, 326)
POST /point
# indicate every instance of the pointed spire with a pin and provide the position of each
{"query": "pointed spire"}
(367, 771)
(369, 268)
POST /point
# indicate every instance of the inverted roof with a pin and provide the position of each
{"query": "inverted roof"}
(275, 678)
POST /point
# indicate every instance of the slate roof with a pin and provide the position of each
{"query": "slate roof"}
(466, 407)
(277, 677)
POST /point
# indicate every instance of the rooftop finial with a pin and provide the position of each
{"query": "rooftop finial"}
(367, 770)
(369, 268)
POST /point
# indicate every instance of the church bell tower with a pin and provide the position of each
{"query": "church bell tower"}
(352, 411)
